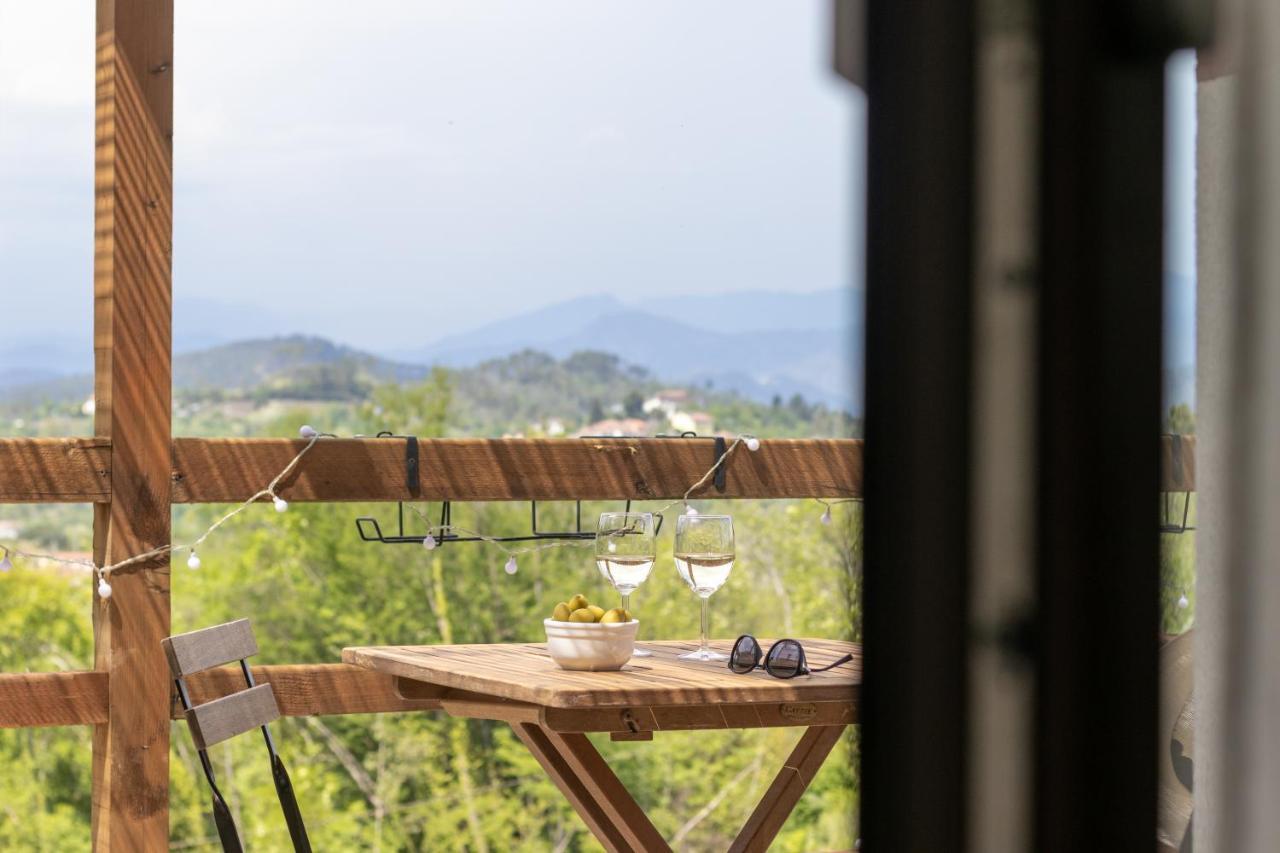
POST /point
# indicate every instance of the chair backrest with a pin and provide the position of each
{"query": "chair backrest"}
(228, 716)
(196, 651)
(236, 713)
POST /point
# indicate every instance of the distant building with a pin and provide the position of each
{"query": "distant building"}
(615, 427)
(667, 401)
(699, 422)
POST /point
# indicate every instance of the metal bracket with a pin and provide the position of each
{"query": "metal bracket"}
(371, 531)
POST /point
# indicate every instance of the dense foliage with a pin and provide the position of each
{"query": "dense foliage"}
(424, 781)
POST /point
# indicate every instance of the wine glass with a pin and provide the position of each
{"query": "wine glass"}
(704, 557)
(626, 545)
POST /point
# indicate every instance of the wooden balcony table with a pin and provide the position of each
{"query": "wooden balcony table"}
(551, 710)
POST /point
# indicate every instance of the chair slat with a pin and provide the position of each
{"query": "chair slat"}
(214, 722)
(209, 647)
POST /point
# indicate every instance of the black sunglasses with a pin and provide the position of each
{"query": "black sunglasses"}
(785, 658)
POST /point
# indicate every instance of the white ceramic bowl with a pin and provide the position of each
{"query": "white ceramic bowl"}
(593, 646)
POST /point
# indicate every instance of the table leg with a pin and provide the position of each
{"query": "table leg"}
(582, 775)
(788, 786)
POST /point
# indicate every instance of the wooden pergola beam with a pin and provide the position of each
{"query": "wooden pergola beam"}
(133, 236)
(204, 470)
(229, 470)
(33, 700)
(476, 469)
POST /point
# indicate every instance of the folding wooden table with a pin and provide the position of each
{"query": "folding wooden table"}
(551, 710)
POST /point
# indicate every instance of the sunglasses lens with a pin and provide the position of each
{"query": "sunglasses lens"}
(785, 659)
(746, 654)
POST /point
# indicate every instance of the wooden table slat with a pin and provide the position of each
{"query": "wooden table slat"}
(525, 673)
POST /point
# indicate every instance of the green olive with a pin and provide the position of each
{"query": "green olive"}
(617, 614)
(597, 612)
(582, 614)
(578, 602)
(561, 613)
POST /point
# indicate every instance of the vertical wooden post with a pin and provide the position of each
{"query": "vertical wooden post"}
(132, 363)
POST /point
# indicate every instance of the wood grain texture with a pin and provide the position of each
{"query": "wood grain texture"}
(574, 789)
(133, 194)
(787, 788)
(302, 690)
(305, 690)
(52, 699)
(195, 651)
(78, 470)
(55, 470)
(525, 673)
(1177, 463)
(224, 718)
(616, 803)
(474, 469)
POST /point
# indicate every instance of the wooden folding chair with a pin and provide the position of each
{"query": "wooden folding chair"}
(224, 718)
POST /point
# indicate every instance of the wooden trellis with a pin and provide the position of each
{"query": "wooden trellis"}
(133, 470)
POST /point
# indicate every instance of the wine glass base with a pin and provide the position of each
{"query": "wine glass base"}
(705, 655)
(638, 652)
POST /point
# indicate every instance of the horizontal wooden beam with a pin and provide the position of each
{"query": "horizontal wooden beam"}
(29, 700)
(55, 470)
(315, 689)
(78, 470)
(477, 469)
(36, 699)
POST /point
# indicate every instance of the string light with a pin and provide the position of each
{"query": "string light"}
(690, 511)
(1183, 602)
(307, 431)
(6, 564)
(826, 517)
(511, 568)
(429, 543)
(753, 443)
(103, 572)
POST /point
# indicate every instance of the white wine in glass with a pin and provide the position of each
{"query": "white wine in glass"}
(704, 555)
(626, 545)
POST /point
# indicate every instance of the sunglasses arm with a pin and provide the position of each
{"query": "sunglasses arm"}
(844, 659)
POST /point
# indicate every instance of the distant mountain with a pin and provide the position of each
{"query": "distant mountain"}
(739, 341)
(296, 367)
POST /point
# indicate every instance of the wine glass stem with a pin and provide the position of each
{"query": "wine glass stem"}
(626, 601)
(706, 622)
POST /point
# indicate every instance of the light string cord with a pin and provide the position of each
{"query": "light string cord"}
(102, 572)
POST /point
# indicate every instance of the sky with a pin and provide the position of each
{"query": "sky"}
(397, 175)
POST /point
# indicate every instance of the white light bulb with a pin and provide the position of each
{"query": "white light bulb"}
(1183, 602)
(193, 562)
(826, 516)
(104, 588)
(6, 564)
(280, 503)
(307, 431)
(511, 568)
(690, 511)
(429, 543)
(753, 443)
